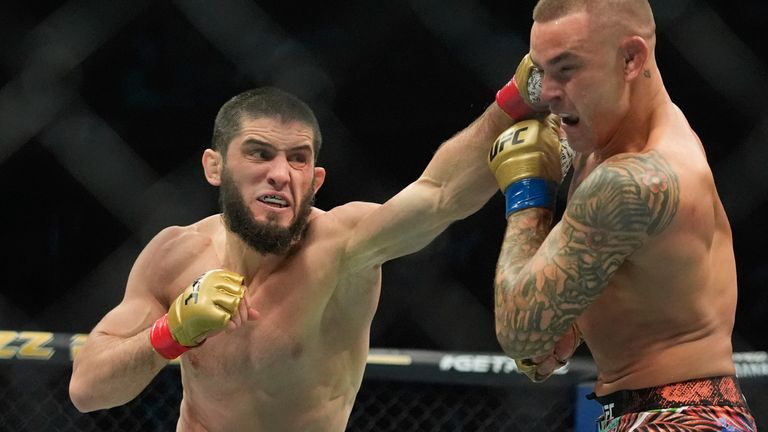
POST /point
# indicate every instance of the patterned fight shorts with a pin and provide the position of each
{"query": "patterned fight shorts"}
(706, 404)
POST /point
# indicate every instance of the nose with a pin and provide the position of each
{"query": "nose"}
(550, 90)
(279, 172)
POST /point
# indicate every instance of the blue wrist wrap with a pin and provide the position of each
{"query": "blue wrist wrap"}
(530, 192)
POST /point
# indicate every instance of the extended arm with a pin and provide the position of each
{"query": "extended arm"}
(455, 184)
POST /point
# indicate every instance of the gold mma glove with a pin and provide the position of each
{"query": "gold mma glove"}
(520, 97)
(529, 161)
(205, 306)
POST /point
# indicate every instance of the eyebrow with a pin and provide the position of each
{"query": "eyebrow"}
(562, 57)
(253, 142)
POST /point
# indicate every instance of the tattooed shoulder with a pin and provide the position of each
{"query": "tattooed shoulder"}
(637, 193)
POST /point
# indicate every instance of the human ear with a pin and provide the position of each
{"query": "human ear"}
(212, 165)
(635, 51)
(319, 177)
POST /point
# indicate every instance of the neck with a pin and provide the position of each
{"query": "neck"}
(645, 96)
(239, 257)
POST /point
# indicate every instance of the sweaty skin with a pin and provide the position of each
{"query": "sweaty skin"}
(292, 359)
(300, 364)
(675, 296)
(642, 259)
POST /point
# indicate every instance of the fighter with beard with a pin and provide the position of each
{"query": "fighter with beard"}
(273, 331)
(264, 237)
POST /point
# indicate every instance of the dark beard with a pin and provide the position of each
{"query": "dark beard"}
(265, 237)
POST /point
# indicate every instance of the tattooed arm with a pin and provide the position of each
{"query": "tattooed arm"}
(545, 280)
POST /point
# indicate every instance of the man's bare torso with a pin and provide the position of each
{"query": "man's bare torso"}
(667, 314)
(300, 364)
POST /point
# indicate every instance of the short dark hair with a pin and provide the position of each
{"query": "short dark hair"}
(262, 102)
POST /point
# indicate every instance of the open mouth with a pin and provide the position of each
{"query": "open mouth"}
(273, 201)
(569, 120)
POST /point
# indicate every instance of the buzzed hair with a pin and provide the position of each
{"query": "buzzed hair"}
(548, 10)
(262, 102)
(632, 15)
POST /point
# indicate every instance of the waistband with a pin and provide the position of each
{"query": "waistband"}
(715, 391)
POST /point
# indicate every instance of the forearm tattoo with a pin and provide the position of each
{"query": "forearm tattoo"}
(543, 282)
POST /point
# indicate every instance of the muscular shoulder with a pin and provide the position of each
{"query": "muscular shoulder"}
(633, 193)
(176, 255)
(181, 243)
(348, 230)
(347, 216)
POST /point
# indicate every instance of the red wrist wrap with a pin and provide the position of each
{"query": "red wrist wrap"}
(509, 100)
(162, 340)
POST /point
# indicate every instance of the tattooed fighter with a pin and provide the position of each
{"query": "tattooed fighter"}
(641, 265)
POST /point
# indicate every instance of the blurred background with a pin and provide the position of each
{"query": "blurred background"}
(106, 107)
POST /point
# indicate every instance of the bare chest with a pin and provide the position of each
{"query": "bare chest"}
(290, 330)
(305, 341)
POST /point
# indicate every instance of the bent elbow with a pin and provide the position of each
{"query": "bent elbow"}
(82, 397)
(515, 343)
(506, 343)
(79, 398)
